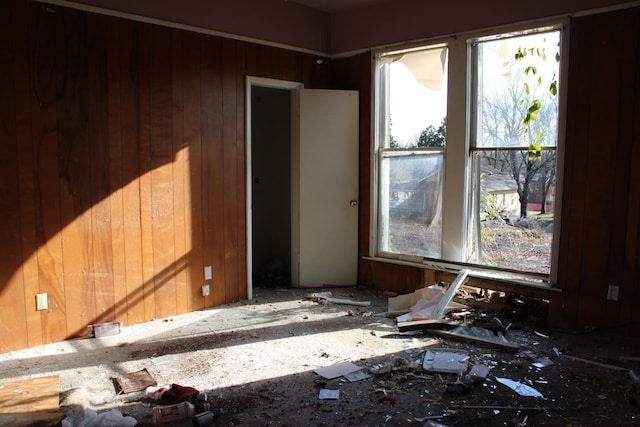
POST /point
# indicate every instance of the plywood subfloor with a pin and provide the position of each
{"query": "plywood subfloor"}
(30, 401)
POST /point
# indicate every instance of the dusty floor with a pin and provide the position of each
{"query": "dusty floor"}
(255, 360)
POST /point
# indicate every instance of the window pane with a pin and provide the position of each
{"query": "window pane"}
(514, 167)
(417, 85)
(517, 100)
(513, 224)
(410, 203)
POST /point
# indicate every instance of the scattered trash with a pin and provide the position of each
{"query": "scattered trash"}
(387, 399)
(179, 411)
(329, 394)
(204, 419)
(357, 376)
(156, 392)
(177, 393)
(446, 360)
(135, 381)
(635, 377)
(327, 297)
(478, 335)
(337, 370)
(543, 362)
(520, 388)
(460, 386)
(426, 303)
(91, 418)
(478, 373)
(104, 329)
(396, 364)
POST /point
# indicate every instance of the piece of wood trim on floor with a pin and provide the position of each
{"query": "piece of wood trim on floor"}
(477, 340)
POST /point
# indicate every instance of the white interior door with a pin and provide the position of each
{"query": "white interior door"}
(325, 188)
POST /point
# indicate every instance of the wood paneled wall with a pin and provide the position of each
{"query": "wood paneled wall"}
(122, 169)
(600, 239)
(600, 234)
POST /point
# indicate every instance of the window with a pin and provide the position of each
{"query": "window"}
(467, 135)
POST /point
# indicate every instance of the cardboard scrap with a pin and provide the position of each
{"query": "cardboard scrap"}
(135, 381)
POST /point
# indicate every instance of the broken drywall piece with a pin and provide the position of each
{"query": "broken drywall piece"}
(426, 303)
(543, 362)
(520, 388)
(446, 360)
(337, 370)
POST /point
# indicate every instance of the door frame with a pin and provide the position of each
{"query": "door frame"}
(260, 82)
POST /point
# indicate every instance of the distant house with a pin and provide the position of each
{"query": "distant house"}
(535, 195)
(418, 198)
(504, 189)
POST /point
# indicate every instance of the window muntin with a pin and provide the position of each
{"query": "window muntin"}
(495, 82)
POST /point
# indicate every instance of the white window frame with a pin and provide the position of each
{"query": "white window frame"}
(456, 198)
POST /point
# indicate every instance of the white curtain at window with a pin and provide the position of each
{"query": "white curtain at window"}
(427, 66)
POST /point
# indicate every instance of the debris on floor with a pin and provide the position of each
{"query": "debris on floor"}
(29, 401)
(105, 329)
(324, 297)
(486, 361)
(134, 381)
(91, 418)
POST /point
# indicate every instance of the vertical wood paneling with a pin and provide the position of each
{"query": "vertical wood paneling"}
(630, 271)
(98, 132)
(45, 135)
(195, 233)
(116, 180)
(75, 182)
(146, 210)
(161, 173)
(213, 167)
(180, 168)
(13, 320)
(128, 47)
(241, 207)
(26, 185)
(598, 169)
(627, 37)
(230, 178)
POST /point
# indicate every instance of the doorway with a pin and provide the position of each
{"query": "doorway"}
(269, 182)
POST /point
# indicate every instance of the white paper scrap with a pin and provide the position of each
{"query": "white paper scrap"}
(326, 393)
(357, 376)
(337, 370)
(520, 388)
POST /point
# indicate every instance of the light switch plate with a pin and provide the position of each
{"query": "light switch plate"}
(42, 302)
(206, 290)
(208, 273)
